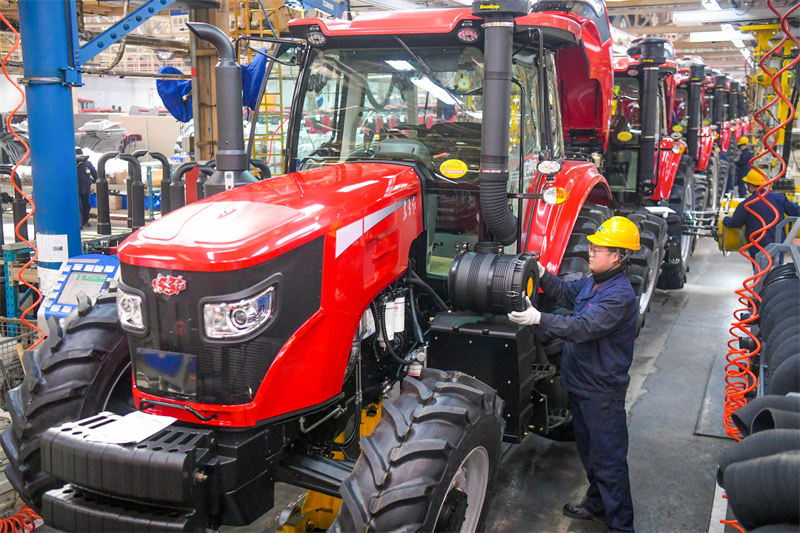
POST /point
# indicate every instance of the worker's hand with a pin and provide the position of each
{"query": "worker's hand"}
(529, 317)
(541, 271)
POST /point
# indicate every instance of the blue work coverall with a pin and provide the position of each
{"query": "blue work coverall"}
(742, 217)
(594, 371)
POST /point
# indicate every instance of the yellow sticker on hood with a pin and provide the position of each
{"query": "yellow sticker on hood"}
(453, 168)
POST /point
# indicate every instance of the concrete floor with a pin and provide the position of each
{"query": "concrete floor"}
(672, 468)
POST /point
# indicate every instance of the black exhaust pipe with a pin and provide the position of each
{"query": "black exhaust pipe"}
(733, 101)
(697, 75)
(654, 54)
(720, 86)
(498, 50)
(231, 156)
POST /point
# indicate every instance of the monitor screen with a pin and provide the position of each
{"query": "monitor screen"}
(87, 282)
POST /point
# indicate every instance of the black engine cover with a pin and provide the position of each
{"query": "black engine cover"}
(494, 350)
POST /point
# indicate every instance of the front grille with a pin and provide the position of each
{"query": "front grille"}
(228, 372)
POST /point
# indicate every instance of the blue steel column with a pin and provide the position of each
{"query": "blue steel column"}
(46, 44)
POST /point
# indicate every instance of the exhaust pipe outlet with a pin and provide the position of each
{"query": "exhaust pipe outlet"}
(498, 50)
(720, 88)
(654, 54)
(697, 74)
(231, 156)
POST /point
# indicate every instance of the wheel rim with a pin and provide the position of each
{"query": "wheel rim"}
(649, 287)
(472, 478)
(686, 240)
(116, 400)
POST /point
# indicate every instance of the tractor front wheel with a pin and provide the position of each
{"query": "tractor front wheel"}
(72, 375)
(431, 462)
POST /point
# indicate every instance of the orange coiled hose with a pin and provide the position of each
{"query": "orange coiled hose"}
(32, 260)
(739, 378)
(24, 520)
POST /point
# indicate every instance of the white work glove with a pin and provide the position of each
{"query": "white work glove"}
(529, 317)
(541, 270)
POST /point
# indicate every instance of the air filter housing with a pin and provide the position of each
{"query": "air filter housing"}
(493, 282)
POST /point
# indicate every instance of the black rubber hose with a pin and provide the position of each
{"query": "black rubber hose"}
(166, 181)
(418, 336)
(263, 167)
(416, 280)
(389, 348)
(786, 378)
(770, 418)
(744, 416)
(103, 211)
(765, 490)
(762, 444)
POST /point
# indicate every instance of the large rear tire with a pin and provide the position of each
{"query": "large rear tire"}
(644, 265)
(673, 272)
(72, 375)
(431, 462)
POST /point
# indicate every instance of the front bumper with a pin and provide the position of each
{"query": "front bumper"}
(181, 479)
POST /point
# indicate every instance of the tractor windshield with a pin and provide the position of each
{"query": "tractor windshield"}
(681, 110)
(383, 104)
(423, 107)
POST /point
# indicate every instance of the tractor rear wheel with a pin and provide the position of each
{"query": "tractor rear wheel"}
(431, 462)
(644, 265)
(72, 375)
(681, 200)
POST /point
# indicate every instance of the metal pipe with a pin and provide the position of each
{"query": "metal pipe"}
(136, 194)
(652, 57)
(498, 51)
(719, 100)
(166, 181)
(103, 209)
(46, 33)
(231, 156)
(697, 74)
(177, 191)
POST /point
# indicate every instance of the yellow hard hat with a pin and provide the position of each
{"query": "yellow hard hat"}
(743, 140)
(754, 178)
(616, 232)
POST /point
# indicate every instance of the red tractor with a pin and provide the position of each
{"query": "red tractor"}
(647, 167)
(341, 327)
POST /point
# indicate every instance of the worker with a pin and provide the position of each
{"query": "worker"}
(594, 367)
(743, 165)
(741, 217)
(87, 175)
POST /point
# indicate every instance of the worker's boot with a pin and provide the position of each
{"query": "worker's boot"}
(577, 512)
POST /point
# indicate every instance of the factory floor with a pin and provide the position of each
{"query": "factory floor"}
(674, 408)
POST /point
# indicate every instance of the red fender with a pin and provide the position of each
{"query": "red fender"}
(667, 167)
(725, 140)
(552, 224)
(706, 147)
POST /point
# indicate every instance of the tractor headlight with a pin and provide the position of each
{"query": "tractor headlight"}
(227, 320)
(129, 310)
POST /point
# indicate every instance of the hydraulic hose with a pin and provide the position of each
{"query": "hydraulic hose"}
(416, 280)
(18, 188)
(739, 378)
(499, 46)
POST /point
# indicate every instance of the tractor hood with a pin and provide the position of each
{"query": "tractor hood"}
(252, 224)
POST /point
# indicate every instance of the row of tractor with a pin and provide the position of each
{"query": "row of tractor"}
(274, 319)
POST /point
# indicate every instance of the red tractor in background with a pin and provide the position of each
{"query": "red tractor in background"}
(647, 168)
(343, 327)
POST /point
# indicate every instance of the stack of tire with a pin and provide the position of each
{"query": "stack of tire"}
(779, 330)
(761, 473)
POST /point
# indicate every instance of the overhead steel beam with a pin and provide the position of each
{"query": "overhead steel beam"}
(659, 30)
(120, 29)
(729, 16)
(392, 5)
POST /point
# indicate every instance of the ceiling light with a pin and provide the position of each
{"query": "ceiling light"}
(714, 36)
(711, 5)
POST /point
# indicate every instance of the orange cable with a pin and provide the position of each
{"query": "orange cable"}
(24, 520)
(739, 378)
(24, 220)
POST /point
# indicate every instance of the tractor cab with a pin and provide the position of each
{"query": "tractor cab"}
(644, 89)
(417, 99)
